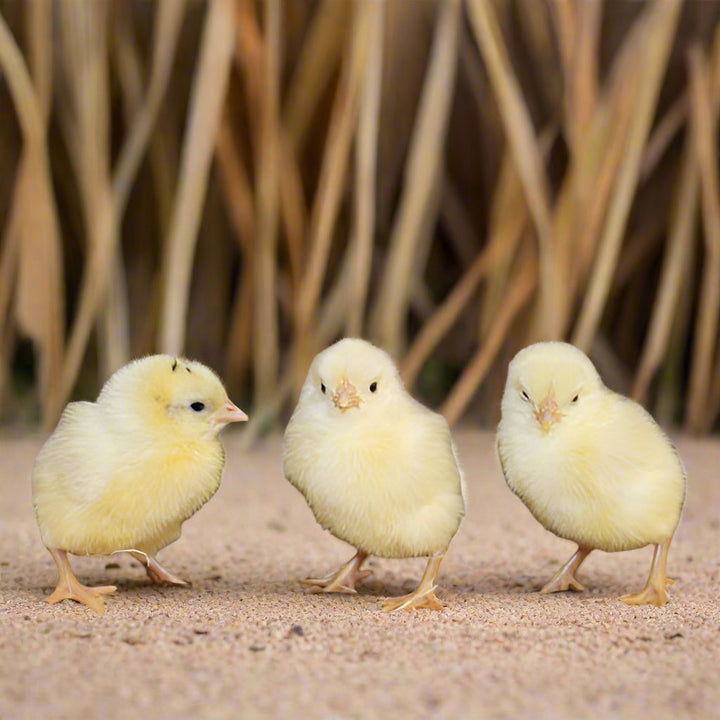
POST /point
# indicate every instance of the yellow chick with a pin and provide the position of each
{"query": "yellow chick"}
(122, 474)
(592, 466)
(378, 469)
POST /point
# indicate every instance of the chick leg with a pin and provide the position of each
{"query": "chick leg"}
(564, 578)
(342, 581)
(654, 592)
(155, 571)
(424, 595)
(70, 588)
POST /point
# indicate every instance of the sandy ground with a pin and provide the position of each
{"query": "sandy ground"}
(246, 640)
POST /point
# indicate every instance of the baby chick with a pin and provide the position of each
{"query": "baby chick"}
(592, 466)
(122, 474)
(378, 469)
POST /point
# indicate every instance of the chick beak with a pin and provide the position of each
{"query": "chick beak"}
(229, 413)
(547, 412)
(345, 395)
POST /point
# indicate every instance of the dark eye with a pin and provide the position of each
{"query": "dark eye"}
(575, 399)
(322, 388)
(373, 387)
(525, 396)
(197, 406)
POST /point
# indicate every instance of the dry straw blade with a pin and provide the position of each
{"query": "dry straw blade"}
(206, 105)
(247, 181)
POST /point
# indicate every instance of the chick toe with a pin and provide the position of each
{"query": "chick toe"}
(564, 579)
(423, 597)
(649, 595)
(158, 574)
(654, 592)
(418, 600)
(343, 580)
(70, 588)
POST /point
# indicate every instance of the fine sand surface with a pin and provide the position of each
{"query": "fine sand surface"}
(248, 641)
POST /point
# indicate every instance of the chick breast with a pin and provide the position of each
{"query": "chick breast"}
(393, 490)
(96, 492)
(615, 483)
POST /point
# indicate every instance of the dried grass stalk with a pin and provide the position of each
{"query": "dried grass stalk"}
(522, 140)
(519, 293)
(704, 122)
(366, 149)
(417, 210)
(40, 299)
(330, 186)
(659, 22)
(208, 95)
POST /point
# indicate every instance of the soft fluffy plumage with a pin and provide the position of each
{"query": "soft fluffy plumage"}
(591, 465)
(126, 471)
(378, 469)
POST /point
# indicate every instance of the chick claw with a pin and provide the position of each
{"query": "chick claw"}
(654, 592)
(70, 588)
(564, 579)
(649, 595)
(424, 594)
(343, 580)
(155, 571)
(561, 584)
(418, 600)
(90, 596)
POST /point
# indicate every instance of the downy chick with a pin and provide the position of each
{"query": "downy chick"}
(123, 473)
(378, 469)
(592, 466)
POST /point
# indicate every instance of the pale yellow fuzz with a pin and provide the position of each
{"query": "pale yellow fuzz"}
(128, 470)
(383, 476)
(604, 475)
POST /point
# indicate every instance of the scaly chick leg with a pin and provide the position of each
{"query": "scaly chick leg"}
(654, 592)
(155, 571)
(342, 581)
(70, 588)
(564, 578)
(424, 595)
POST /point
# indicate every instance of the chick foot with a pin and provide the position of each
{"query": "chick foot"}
(424, 595)
(155, 571)
(654, 592)
(564, 578)
(342, 581)
(70, 588)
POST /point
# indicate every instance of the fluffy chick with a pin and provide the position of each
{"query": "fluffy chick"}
(592, 466)
(123, 473)
(378, 469)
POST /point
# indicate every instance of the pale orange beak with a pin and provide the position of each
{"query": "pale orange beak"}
(230, 413)
(345, 395)
(547, 412)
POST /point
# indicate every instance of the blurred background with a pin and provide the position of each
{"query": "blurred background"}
(245, 181)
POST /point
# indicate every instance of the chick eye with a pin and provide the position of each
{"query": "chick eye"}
(525, 396)
(197, 406)
(575, 399)
(373, 387)
(322, 388)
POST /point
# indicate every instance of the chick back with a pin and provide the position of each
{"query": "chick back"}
(96, 491)
(392, 489)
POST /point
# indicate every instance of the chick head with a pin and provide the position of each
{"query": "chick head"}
(352, 376)
(160, 389)
(549, 383)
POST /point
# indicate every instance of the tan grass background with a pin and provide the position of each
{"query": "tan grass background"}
(244, 182)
